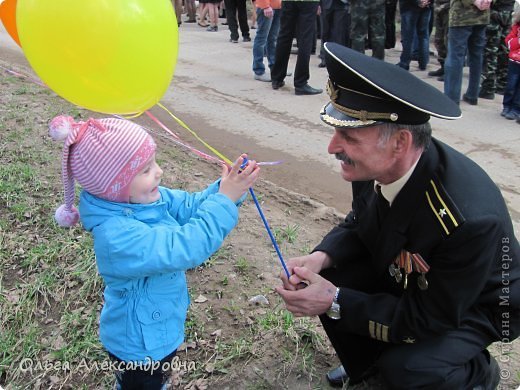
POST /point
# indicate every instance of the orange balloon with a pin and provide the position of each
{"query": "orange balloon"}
(8, 18)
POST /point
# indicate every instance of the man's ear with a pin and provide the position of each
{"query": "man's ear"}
(402, 141)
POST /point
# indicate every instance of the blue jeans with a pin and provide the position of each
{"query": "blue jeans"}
(512, 91)
(470, 39)
(415, 21)
(265, 40)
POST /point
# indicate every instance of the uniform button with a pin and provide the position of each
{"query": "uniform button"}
(156, 315)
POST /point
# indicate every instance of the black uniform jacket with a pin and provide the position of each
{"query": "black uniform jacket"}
(453, 215)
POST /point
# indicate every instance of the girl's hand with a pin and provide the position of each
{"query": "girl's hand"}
(235, 182)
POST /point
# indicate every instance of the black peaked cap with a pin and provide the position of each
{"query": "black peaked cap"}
(364, 91)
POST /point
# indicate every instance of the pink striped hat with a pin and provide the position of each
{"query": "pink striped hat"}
(102, 155)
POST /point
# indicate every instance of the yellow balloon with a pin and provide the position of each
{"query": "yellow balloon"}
(110, 56)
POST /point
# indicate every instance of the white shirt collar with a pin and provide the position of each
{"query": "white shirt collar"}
(391, 190)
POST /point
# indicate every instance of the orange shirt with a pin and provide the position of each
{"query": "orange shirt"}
(275, 4)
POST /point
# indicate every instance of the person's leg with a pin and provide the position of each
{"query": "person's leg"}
(284, 41)
(512, 81)
(213, 16)
(390, 10)
(242, 19)
(358, 26)
(457, 45)
(191, 11)
(338, 32)
(377, 28)
(357, 354)
(408, 20)
(272, 37)
(203, 12)
(423, 37)
(489, 59)
(259, 44)
(452, 360)
(325, 25)
(306, 28)
(476, 44)
(231, 17)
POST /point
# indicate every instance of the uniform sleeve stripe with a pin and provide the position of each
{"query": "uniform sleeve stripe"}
(372, 329)
(435, 212)
(444, 204)
(385, 334)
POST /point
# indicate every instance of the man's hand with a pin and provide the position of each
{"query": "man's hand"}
(314, 262)
(312, 300)
(268, 12)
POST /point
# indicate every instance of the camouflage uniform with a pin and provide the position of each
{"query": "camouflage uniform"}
(368, 15)
(494, 70)
(441, 9)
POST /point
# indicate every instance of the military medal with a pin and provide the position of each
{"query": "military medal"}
(408, 262)
(422, 267)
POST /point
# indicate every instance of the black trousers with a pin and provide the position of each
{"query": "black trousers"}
(139, 378)
(298, 19)
(457, 359)
(232, 8)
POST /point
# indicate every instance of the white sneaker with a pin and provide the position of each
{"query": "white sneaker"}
(263, 77)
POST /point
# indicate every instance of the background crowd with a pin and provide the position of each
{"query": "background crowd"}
(479, 34)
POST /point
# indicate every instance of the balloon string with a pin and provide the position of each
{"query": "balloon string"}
(264, 220)
(180, 122)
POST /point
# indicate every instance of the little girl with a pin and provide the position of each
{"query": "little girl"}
(511, 102)
(145, 237)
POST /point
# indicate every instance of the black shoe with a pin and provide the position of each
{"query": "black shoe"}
(322, 64)
(337, 377)
(246, 39)
(277, 84)
(486, 95)
(469, 100)
(436, 73)
(492, 378)
(307, 90)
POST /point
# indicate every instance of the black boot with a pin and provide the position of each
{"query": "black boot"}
(438, 72)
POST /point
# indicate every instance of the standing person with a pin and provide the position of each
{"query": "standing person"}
(466, 37)
(441, 10)
(415, 23)
(268, 14)
(495, 63)
(298, 20)
(365, 16)
(335, 24)
(213, 11)
(145, 237)
(412, 283)
(234, 7)
(191, 11)
(511, 102)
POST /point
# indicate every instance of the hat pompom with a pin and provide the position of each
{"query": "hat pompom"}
(66, 218)
(60, 127)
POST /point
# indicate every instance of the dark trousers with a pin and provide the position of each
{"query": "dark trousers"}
(335, 25)
(232, 7)
(512, 91)
(298, 19)
(141, 378)
(454, 360)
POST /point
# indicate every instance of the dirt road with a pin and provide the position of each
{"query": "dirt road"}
(214, 92)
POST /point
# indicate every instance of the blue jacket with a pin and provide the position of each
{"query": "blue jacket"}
(142, 251)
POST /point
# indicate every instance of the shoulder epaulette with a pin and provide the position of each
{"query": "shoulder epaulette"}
(443, 207)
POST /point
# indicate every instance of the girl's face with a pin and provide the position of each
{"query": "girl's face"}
(144, 186)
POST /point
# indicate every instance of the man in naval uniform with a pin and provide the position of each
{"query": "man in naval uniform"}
(423, 274)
